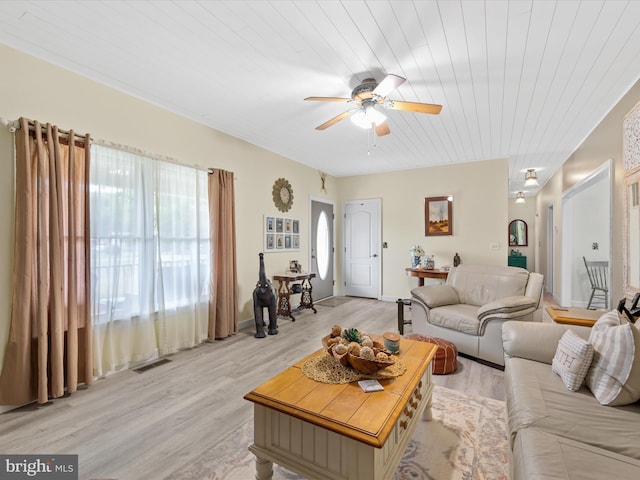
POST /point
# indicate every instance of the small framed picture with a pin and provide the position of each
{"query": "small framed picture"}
(279, 225)
(270, 242)
(270, 224)
(295, 239)
(287, 225)
(438, 216)
(287, 241)
(296, 226)
(279, 242)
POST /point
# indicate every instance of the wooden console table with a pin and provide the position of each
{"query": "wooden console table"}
(423, 273)
(322, 431)
(284, 292)
(574, 315)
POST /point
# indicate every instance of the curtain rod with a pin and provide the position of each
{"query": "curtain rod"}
(77, 138)
(138, 151)
(15, 124)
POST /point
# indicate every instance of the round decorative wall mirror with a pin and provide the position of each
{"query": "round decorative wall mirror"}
(518, 234)
(282, 195)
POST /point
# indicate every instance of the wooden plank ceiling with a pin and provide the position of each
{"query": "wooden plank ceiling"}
(525, 80)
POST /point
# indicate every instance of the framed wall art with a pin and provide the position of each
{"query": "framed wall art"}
(438, 216)
(281, 233)
(631, 223)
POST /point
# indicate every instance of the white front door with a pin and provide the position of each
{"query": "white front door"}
(362, 248)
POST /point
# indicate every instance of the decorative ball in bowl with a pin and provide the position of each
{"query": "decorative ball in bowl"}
(355, 349)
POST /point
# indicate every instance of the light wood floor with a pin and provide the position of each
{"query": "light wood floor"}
(133, 426)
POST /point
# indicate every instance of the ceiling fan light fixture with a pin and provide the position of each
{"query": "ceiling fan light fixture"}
(520, 197)
(367, 116)
(530, 178)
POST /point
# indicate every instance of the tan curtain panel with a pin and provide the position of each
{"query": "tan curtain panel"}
(223, 298)
(49, 347)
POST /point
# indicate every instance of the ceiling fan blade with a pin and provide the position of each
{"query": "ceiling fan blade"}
(334, 120)
(388, 85)
(413, 107)
(382, 129)
(327, 99)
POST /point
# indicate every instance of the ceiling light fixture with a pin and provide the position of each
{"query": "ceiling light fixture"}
(367, 116)
(530, 178)
(520, 197)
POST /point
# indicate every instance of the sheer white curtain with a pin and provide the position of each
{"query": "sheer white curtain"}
(149, 257)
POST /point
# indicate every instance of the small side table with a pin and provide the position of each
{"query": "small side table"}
(574, 315)
(284, 292)
(423, 273)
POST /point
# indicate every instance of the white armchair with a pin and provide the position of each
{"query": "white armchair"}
(470, 308)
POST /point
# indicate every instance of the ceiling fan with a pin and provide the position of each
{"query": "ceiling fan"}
(366, 98)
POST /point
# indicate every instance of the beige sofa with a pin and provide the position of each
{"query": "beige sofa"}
(470, 308)
(556, 433)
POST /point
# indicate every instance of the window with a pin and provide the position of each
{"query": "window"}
(149, 246)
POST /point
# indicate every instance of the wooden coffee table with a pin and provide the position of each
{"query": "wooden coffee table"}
(326, 431)
(574, 315)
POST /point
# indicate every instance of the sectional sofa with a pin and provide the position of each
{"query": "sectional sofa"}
(559, 433)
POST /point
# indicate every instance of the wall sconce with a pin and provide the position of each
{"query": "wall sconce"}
(520, 197)
(530, 178)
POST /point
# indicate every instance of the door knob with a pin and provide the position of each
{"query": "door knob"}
(374, 255)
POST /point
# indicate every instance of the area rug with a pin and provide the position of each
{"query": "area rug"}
(332, 301)
(467, 439)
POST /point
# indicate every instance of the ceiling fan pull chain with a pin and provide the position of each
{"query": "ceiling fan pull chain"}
(373, 135)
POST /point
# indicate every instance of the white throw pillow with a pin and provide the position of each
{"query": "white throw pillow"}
(614, 376)
(572, 360)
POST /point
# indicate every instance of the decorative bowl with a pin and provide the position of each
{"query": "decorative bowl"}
(357, 363)
(368, 366)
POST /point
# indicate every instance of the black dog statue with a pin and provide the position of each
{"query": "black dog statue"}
(264, 296)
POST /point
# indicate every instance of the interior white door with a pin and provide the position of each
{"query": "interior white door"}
(362, 248)
(550, 246)
(322, 249)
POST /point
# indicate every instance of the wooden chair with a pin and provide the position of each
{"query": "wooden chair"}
(598, 272)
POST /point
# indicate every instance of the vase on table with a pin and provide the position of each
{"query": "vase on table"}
(429, 262)
(415, 261)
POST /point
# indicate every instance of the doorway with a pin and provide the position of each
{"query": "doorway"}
(586, 232)
(322, 248)
(550, 247)
(362, 233)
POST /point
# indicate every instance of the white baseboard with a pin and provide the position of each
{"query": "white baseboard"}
(388, 299)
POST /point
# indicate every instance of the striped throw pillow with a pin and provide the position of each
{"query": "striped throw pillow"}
(614, 376)
(572, 360)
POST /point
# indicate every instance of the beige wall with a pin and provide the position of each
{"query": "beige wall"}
(605, 142)
(6, 232)
(480, 213)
